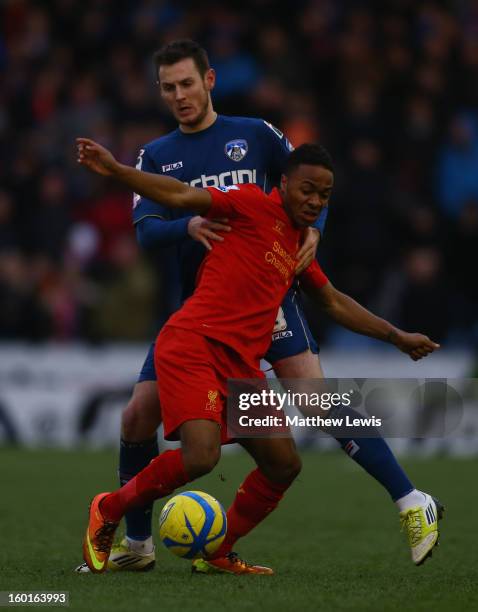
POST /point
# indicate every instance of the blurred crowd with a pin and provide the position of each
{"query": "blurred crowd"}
(390, 88)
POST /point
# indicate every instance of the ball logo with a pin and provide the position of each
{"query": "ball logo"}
(236, 149)
(164, 514)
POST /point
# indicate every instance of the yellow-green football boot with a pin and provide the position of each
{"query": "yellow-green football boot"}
(124, 559)
(421, 525)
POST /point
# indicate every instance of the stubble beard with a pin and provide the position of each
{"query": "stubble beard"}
(202, 113)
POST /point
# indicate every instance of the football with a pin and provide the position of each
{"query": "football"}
(192, 524)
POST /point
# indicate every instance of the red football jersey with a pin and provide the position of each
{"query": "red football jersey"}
(243, 280)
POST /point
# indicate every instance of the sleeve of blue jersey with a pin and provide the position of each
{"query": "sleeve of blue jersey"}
(320, 223)
(142, 207)
(154, 226)
(153, 232)
(279, 149)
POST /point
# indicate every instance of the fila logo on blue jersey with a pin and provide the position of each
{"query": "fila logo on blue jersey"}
(282, 334)
(236, 149)
(175, 166)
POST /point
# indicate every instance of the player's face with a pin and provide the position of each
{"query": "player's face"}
(306, 192)
(186, 92)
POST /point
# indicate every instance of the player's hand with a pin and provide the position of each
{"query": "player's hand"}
(95, 157)
(414, 345)
(203, 230)
(306, 254)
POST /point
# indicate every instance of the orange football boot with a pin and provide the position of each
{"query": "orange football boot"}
(230, 564)
(98, 538)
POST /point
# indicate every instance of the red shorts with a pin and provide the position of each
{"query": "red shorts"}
(192, 372)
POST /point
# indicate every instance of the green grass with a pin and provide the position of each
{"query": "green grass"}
(334, 542)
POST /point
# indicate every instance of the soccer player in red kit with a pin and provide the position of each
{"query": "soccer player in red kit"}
(225, 327)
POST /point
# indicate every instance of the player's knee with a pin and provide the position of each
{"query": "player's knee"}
(201, 460)
(285, 471)
(129, 420)
(141, 418)
(304, 365)
(290, 469)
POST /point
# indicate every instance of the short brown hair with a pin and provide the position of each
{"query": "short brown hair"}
(178, 50)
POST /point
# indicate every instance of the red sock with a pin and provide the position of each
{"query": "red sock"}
(255, 499)
(161, 477)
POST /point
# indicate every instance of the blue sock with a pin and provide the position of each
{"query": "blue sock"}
(133, 457)
(376, 458)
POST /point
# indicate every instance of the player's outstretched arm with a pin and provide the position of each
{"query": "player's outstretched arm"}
(164, 189)
(350, 314)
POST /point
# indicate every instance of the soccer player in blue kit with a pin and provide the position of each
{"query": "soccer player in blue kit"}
(213, 150)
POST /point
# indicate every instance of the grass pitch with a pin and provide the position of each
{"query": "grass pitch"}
(334, 542)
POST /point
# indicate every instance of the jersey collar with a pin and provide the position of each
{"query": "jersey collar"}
(275, 196)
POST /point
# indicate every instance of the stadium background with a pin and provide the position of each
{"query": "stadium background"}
(391, 88)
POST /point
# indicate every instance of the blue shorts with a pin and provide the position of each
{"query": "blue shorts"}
(291, 336)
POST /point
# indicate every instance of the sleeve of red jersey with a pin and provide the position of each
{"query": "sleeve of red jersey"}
(313, 276)
(233, 200)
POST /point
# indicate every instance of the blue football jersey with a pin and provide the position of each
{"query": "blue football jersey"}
(232, 150)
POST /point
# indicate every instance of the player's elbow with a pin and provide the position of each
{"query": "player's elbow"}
(182, 196)
(332, 301)
(192, 198)
(324, 296)
(180, 200)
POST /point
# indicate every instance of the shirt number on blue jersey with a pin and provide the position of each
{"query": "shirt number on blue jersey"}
(139, 166)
